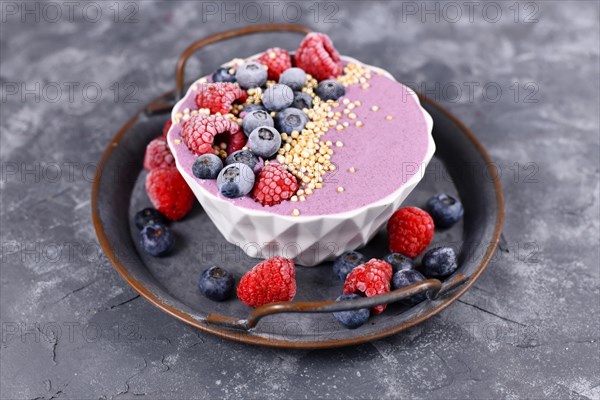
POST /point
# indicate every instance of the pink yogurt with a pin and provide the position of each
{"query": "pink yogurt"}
(384, 153)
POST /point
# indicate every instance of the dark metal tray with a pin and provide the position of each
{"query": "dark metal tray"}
(461, 166)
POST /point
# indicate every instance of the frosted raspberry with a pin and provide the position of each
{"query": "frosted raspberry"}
(169, 193)
(270, 281)
(370, 279)
(410, 230)
(158, 155)
(201, 131)
(277, 60)
(218, 97)
(274, 185)
(317, 56)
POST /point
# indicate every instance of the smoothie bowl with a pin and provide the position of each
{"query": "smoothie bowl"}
(305, 156)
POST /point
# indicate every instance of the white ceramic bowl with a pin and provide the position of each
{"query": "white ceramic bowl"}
(308, 240)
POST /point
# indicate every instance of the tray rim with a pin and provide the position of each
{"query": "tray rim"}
(247, 337)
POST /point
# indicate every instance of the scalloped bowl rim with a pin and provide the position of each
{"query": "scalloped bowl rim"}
(389, 199)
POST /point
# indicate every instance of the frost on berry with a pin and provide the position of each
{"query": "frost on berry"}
(274, 185)
(199, 133)
(370, 279)
(317, 56)
(219, 96)
(270, 281)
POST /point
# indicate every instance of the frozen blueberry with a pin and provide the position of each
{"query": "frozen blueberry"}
(405, 278)
(445, 210)
(264, 141)
(147, 215)
(224, 74)
(251, 74)
(295, 78)
(207, 166)
(216, 284)
(399, 261)
(352, 319)
(346, 263)
(251, 107)
(439, 262)
(235, 180)
(156, 239)
(244, 157)
(254, 119)
(301, 100)
(277, 97)
(290, 119)
(330, 89)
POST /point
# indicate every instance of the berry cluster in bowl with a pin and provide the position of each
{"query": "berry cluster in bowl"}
(320, 125)
(410, 231)
(257, 125)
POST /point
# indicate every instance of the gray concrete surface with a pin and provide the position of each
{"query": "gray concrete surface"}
(528, 329)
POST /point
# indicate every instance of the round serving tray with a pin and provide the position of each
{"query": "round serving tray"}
(461, 166)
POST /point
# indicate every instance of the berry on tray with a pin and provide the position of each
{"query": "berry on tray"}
(200, 130)
(169, 193)
(166, 127)
(274, 185)
(216, 283)
(264, 141)
(410, 230)
(277, 97)
(207, 166)
(244, 157)
(291, 119)
(270, 281)
(251, 74)
(146, 216)
(156, 239)
(317, 56)
(352, 319)
(235, 180)
(219, 96)
(295, 78)
(399, 261)
(224, 74)
(330, 89)
(301, 101)
(346, 263)
(277, 60)
(439, 262)
(445, 210)
(405, 278)
(158, 155)
(254, 119)
(370, 279)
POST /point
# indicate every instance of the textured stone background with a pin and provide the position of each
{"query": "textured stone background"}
(529, 327)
